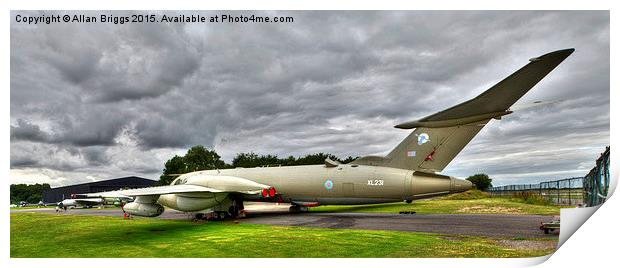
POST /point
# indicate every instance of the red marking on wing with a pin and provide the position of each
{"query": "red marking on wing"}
(429, 157)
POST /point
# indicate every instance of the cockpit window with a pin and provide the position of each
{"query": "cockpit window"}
(179, 181)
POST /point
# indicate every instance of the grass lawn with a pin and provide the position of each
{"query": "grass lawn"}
(31, 207)
(445, 206)
(48, 235)
(39, 207)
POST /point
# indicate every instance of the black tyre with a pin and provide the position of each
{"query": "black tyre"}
(233, 211)
(294, 209)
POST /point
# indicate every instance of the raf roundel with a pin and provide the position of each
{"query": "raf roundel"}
(329, 184)
(423, 138)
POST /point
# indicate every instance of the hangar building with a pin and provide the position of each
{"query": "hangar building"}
(55, 195)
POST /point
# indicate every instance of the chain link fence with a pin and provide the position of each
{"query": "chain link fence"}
(590, 190)
(596, 183)
(560, 192)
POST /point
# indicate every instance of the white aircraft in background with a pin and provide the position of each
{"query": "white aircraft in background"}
(81, 202)
(91, 200)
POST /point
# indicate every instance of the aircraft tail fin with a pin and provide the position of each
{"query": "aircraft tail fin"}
(439, 137)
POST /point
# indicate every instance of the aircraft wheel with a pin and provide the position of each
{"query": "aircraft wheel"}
(297, 209)
(233, 211)
(294, 209)
(223, 215)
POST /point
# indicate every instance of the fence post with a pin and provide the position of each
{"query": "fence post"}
(569, 190)
(540, 190)
(558, 189)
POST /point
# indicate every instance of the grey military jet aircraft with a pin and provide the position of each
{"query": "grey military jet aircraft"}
(408, 172)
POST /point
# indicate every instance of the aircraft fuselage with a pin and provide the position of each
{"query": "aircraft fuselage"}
(342, 185)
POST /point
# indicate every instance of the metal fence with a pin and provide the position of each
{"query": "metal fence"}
(596, 183)
(561, 192)
(590, 190)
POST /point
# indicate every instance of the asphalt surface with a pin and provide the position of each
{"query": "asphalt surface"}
(489, 225)
(459, 224)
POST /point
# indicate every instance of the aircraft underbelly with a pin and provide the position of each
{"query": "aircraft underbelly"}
(350, 200)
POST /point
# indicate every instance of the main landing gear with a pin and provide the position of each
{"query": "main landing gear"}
(235, 210)
(212, 216)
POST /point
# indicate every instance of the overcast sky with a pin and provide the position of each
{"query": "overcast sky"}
(98, 101)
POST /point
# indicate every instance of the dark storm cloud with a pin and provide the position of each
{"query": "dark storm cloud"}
(97, 129)
(17, 162)
(112, 100)
(95, 156)
(25, 130)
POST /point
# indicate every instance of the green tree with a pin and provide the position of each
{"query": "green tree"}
(315, 159)
(289, 161)
(32, 193)
(245, 160)
(200, 158)
(175, 165)
(249, 160)
(348, 160)
(481, 181)
(196, 158)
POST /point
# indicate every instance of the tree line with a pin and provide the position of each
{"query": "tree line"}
(32, 193)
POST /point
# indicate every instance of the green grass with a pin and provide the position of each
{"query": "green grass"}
(446, 206)
(31, 207)
(467, 195)
(50, 235)
(39, 207)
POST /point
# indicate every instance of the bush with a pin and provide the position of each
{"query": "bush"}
(530, 198)
(482, 182)
(468, 195)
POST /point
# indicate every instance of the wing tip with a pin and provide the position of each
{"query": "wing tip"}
(562, 53)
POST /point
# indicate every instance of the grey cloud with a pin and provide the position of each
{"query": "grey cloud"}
(25, 130)
(95, 156)
(17, 162)
(92, 129)
(95, 129)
